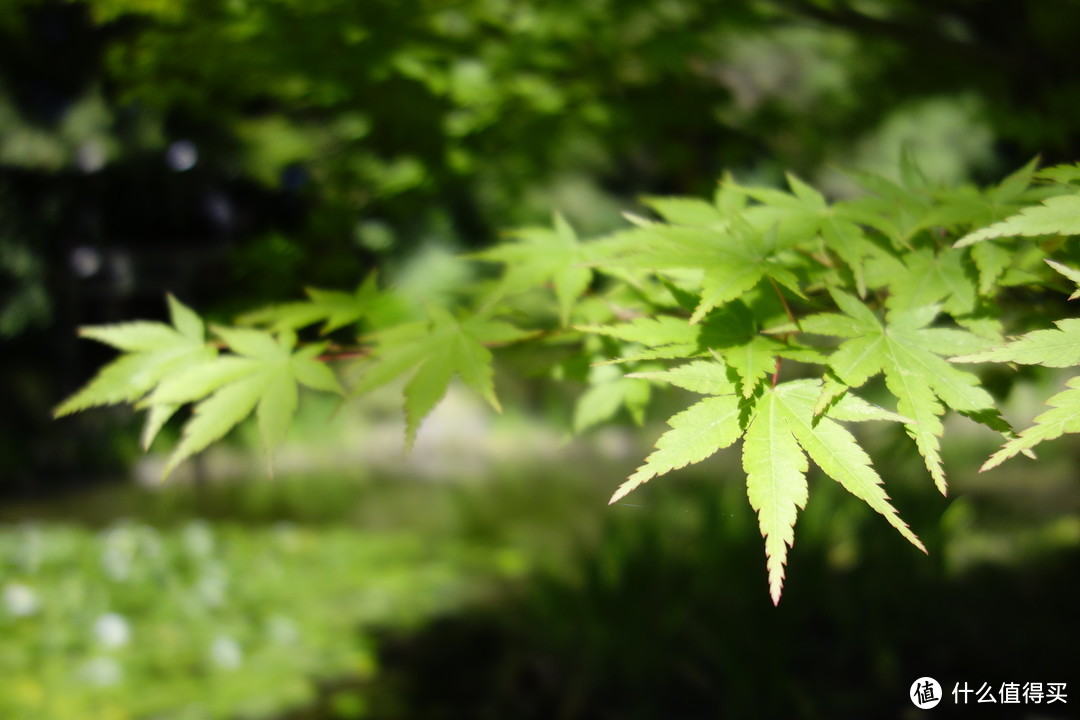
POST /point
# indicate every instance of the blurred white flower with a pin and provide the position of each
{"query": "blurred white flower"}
(199, 538)
(30, 551)
(102, 671)
(211, 587)
(226, 653)
(112, 630)
(20, 600)
(118, 552)
(282, 630)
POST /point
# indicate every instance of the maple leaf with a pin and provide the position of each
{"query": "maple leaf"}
(1061, 174)
(1063, 417)
(909, 354)
(434, 352)
(163, 367)
(609, 391)
(780, 429)
(333, 308)
(902, 211)
(1070, 273)
(931, 277)
(261, 377)
(698, 431)
(804, 214)
(992, 259)
(1058, 215)
(733, 259)
(1056, 348)
(897, 211)
(1051, 348)
(151, 351)
(544, 256)
(730, 332)
(687, 211)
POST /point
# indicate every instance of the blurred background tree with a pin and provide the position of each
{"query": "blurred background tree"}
(233, 151)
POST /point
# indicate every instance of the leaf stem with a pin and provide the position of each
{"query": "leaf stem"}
(787, 308)
(341, 353)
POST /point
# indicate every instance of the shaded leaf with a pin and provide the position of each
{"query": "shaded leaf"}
(541, 256)
(1058, 215)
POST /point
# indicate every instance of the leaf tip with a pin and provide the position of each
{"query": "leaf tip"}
(623, 490)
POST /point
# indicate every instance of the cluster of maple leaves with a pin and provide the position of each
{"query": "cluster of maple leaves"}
(773, 304)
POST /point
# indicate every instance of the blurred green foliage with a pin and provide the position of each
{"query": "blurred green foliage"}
(315, 140)
(210, 621)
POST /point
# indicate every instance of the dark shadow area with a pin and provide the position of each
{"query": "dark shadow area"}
(669, 619)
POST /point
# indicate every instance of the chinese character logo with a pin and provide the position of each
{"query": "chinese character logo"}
(925, 693)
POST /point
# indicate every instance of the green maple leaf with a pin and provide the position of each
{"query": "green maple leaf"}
(733, 259)
(1070, 273)
(968, 207)
(804, 214)
(151, 352)
(902, 211)
(544, 256)
(1058, 215)
(1050, 348)
(333, 308)
(700, 376)
(897, 211)
(730, 332)
(909, 354)
(434, 352)
(261, 377)
(781, 430)
(1063, 417)
(610, 391)
(1061, 174)
(992, 259)
(931, 277)
(687, 211)
(697, 432)
(163, 367)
